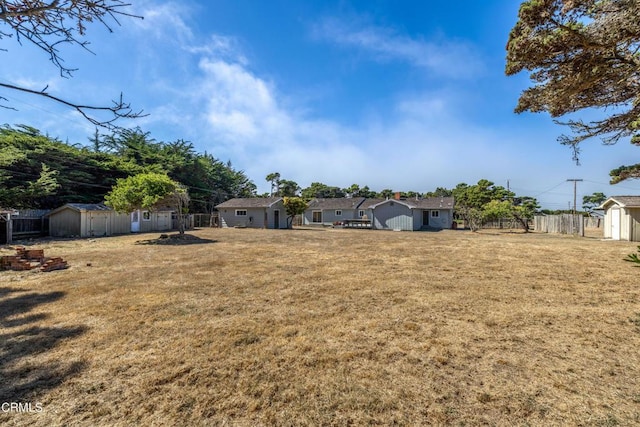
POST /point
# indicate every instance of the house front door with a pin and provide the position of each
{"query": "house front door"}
(425, 217)
(276, 219)
(135, 221)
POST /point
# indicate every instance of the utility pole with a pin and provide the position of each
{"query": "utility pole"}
(575, 187)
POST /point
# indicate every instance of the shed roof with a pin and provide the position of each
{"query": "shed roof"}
(250, 202)
(336, 203)
(82, 207)
(622, 201)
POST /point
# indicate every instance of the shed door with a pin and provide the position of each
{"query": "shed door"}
(135, 221)
(98, 224)
(276, 219)
(615, 224)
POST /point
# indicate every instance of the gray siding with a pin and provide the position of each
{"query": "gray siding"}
(443, 220)
(329, 216)
(282, 215)
(393, 216)
(158, 221)
(120, 223)
(65, 223)
(255, 218)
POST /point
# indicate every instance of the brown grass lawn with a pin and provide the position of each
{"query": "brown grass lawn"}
(325, 327)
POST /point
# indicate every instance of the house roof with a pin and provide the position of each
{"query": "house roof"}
(335, 203)
(428, 203)
(253, 202)
(622, 201)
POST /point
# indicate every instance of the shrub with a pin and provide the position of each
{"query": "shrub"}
(634, 258)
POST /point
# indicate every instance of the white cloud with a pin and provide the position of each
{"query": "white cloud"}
(413, 147)
(164, 20)
(443, 57)
(223, 47)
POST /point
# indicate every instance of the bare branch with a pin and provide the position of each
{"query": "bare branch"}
(119, 109)
(49, 24)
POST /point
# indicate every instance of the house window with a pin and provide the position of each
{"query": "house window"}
(146, 216)
(241, 212)
(316, 216)
(338, 213)
(435, 214)
(360, 214)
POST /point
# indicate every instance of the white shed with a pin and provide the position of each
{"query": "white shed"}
(622, 218)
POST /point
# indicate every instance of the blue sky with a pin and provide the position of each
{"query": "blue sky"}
(406, 95)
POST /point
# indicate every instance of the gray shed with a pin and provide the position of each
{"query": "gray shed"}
(93, 220)
(256, 212)
(433, 213)
(622, 218)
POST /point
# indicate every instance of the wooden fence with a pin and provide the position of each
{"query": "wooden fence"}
(30, 223)
(559, 224)
(593, 222)
(505, 224)
(205, 220)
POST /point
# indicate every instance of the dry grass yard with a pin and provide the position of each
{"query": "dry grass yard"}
(325, 327)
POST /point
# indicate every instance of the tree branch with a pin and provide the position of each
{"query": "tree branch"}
(119, 109)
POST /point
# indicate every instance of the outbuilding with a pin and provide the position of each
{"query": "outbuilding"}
(255, 212)
(622, 218)
(410, 214)
(94, 220)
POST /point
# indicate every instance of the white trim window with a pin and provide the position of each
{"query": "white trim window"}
(316, 216)
(360, 213)
(435, 214)
(338, 212)
(241, 212)
(146, 216)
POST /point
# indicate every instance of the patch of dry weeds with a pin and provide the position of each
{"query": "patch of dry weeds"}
(334, 327)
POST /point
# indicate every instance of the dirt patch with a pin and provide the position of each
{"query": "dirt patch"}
(175, 239)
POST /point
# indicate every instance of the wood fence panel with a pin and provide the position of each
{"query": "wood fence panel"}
(559, 224)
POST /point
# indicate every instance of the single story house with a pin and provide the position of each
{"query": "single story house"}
(385, 214)
(622, 218)
(329, 211)
(255, 212)
(93, 220)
